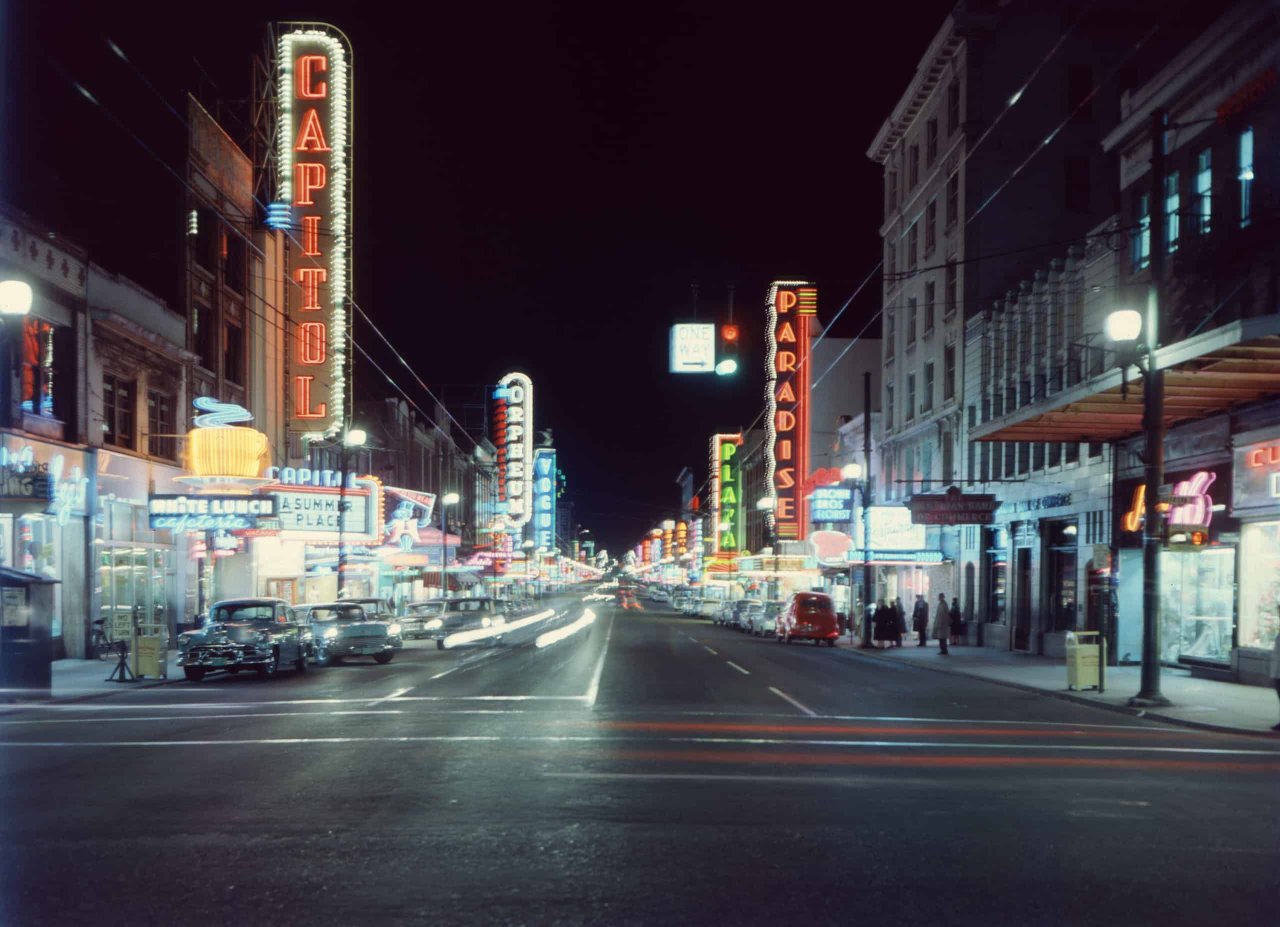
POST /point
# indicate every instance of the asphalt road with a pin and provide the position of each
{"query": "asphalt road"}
(643, 769)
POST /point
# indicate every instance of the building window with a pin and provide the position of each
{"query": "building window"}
(1141, 244)
(206, 239)
(1037, 456)
(235, 261)
(1024, 458)
(1010, 458)
(888, 405)
(1246, 176)
(233, 354)
(948, 459)
(911, 396)
(953, 107)
(930, 303)
(913, 247)
(984, 460)
(1071, 453)
(949, 372)
(930, 227)
(160, 425)
(953, 198)
(913, 166)
(892, 201)
(913, 310)
(37, 366)
(890, 260)
(1076, 176)
(1171, 205)
(117, 411)
(1095, 450)
(890, 334)
(205, 336)
(931, 142)
(1204, 191)
(950, 287)
(926, 399)
(1055, 455)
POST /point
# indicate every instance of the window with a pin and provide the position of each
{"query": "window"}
(1171, 202)
(949, 372)
(1024, 458)
(1246, 176)
(1204, 191)
(911, 396)
(1037, 456)
(951, 285)
(1055, 455)
(1141, 244)
(892, 184)
(930, 142)
(117, 411)
(926, 398)
(160, 425)
(930, 227)
(953, 198)
(890, 334)
(1076, 177)
(205, 336)
(890, 260)
(37, 366)
(1094, 449)
(1071, 453)
(948, 459)
(930, 304)
(1010, 458)
(1079, 92)
(953, 107)
(913, 247)
(888, 405)
(206, 239)
(913, 166)
(912, 312)
(984, 461)
(235, 258)
(233, 353)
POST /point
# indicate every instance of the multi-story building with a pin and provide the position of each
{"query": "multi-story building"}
(974, 200)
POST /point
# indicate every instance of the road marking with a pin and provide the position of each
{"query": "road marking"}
(738, 668)
(217, 717)
(386, 698)
(709, 650)
(594, 689)
(786, 698)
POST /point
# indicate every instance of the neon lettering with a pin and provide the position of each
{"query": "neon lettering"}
(786, 479)
(786, 394)
(308, 177)
(1132, 519)
(1199, 511)
(311, 236)
(784, 450)
(1264, 456)
(311, 135)
(787, 508)
(312, 338)
(786, 362)
(308, 88)
(786, 301)
(310, 279)
(786, 334)
(785, 420)
(302, 399)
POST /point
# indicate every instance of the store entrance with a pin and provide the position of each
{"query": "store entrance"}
(1061, 584)
(1022, 608)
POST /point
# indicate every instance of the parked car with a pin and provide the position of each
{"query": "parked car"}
(381, 609)
(259, 634)
(808, 616)
(344, 629)
(465, 615)
(413, 624)
(762, 617)
(709, 608)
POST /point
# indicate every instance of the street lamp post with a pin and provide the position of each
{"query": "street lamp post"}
(352, 438)
(15, 302)
(854, 473)
(447, 499)
(768, 505)
(527, 547)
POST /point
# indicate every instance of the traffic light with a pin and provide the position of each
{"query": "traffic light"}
(728, 362)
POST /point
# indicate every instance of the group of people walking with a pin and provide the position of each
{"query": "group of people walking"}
(889, 622)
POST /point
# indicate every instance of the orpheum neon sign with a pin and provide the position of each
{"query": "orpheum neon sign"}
(515, 447)
(314, 163)
(791, 308)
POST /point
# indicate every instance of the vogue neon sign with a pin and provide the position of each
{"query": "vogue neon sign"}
(791, 308)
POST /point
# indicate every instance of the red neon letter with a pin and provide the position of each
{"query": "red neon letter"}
(311, 343)
(786, 394)
(785, 420)
(786, 509)
(784, 450)
(786, 301)
(310, 278)
(311, 236)
(786, 334)
(311, 135)
(786, 362)
(308, 177)
(307, 88)
(302, 399)
(786, 478)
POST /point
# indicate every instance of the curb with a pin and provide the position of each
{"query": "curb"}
(1068, 696)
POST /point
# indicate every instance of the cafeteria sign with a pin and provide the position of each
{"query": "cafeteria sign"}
(953, 507)
(208, 513)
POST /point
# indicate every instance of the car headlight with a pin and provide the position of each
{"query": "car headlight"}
(434, 624)
(394, 630)
(485, 622)
(330, 633)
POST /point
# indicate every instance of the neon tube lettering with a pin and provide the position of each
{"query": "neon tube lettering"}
(311, 343)
(308, 88)
(786, 362)
(311, 135)
(311, 236)
(310, 279)
(302, 399)
(308, 177)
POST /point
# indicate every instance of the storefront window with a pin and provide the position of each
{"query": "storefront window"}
(1197, 609)
(37, 547)
(1260, 585)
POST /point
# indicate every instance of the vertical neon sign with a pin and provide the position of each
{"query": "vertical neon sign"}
(516, 448)
(544, 497)
(313, 64)
(791, 308)
(726, 501)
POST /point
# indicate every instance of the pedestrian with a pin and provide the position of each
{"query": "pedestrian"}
(957, 621)
(900, 622)
(920, 619)
(942, 624)
(880, 626)
(1275, 665)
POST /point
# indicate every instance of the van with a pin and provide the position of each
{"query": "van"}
(808, 616)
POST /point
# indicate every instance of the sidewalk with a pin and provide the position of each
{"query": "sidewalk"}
(1221, 706)
(78, 679)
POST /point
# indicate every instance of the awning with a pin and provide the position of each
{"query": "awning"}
(1205, 374)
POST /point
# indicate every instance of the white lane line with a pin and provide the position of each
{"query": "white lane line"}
(786, 698)
(724, 777)
(396, 694)
(594, 689)
(709, 650)
(738, 668)
(245, 714)
(694, 639)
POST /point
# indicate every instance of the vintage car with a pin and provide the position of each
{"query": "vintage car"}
(413, 624)
(262, 634)
(345, 629)
(465, 615)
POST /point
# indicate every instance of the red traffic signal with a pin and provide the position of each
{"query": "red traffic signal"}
(729, 332)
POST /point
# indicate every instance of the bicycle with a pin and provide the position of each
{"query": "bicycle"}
(102, 646)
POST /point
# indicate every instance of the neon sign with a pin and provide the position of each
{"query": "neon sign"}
(208, 513)
(314, 171)
(1190, 507)
(726, 498)
(515, 452)
(544, 497)
(791, 308)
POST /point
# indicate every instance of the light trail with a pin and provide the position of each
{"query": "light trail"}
(547, 638)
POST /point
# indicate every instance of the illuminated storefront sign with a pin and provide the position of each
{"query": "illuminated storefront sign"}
(544, 497)
(831, 504)
(726, 497)
(892, 528)
(312, 514)
(693, 348)
(791, 309)
(1256, 483)
(515, 448)
(208, 513)
(313, 64)
(43, 473)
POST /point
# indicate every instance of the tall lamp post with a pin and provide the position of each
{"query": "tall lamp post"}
(446, 500)
(768, 505)
(527, 547)
(853, 472)
(15, 303)
(352, 438)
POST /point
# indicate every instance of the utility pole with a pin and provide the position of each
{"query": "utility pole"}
(866, 509)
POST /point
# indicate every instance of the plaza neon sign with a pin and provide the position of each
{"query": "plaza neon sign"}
(791, 308)
(314, 167)
(515, 448)
(726, 497)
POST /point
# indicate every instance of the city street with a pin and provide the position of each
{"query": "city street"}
(642, 768)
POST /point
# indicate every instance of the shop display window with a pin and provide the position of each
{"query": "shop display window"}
(1197, 609)
(37, 549)
(1260, 585)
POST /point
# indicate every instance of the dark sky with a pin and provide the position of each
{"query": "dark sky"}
(537, 186)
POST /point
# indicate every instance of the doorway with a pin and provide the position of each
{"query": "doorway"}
(1022, 607)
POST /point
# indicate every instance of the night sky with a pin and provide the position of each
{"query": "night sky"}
(537, 187)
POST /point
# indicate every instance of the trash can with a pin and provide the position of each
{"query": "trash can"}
(1083, 659)
(26, 644)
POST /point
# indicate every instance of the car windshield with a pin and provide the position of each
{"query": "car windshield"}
(427, 609)
(244, 611)
(324, 613)
(471, 605)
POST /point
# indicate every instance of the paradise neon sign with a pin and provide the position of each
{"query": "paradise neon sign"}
(791, 308)
(314, 167)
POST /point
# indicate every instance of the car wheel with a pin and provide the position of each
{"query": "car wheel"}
(269, 669)
(300, 664)
(383, 658)
(193, 673)
(322, 658)
(439, 643)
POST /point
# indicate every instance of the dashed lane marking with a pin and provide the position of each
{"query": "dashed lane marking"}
(786, 698)
(709, 650)
(738, 668)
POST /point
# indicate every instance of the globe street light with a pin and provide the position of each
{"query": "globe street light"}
(851, 471)
(15, 297)
(352, 439)
(449, 498)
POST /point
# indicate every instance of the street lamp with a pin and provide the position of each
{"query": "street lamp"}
(15, 301)
(352, 439)
(527, 547)
(853, 472)
(449, 498)
(769, 505)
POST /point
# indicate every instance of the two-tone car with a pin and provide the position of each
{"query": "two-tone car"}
(417, 615)
(458, 615)
(344, 629)
(261, 634)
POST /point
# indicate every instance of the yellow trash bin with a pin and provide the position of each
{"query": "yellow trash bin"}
(1083, 658)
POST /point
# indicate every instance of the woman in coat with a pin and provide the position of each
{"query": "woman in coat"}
(880, 623)
(900, 618)
(942, 624)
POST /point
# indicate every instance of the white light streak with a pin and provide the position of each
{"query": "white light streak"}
(547, 638)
